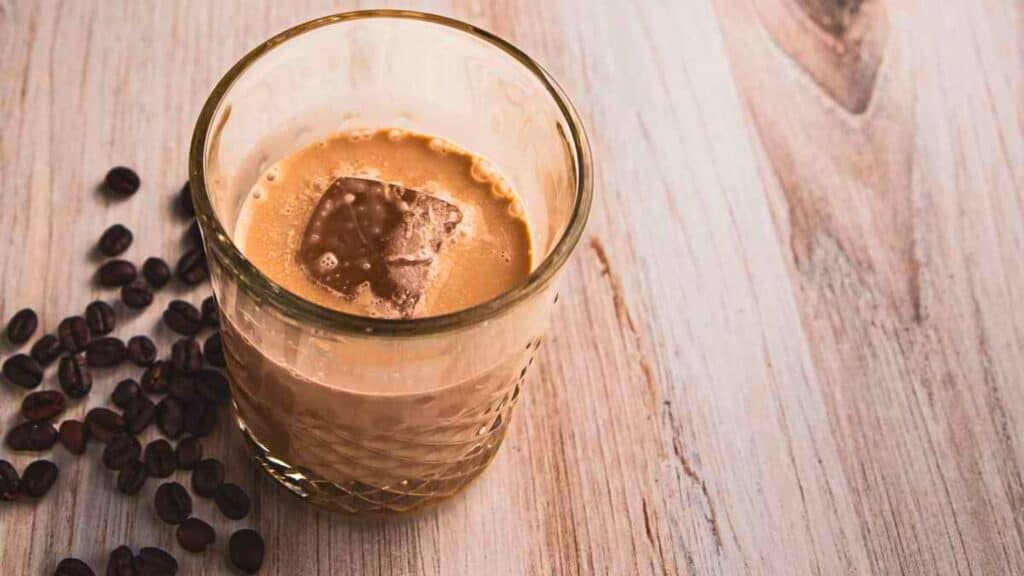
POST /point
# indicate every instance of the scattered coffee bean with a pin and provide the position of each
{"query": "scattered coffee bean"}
(105, 352)
(138, 415)
(185, 200)
(22, 325)
(232, 501)
(74, 436)
(212, 386)
(195, 535)
(74, 376)
(182, 388)
(141, 350)
(186, 357)
(104, 424)
(38, 477)
(32, 437)
(183, 318)
(155, 562)
(160, 458)
(120, 451)
(192, 267)
(207, 477)
(46, 350)
(120, 562)
(173, 504)
(43, 405)
(195, 235)
(156, 272)
(23, 370)
(211, 313)
(73, 333)
(200, 418)
(73, 567)
(126, 391)
(137, 295)
(116, 273)
(246, 550)
(131, 478)
(122, 181)
(170, 417)
(100, 317)
(213, 351)
(115, 240)
(9, 482)
(156, 378)
(189, 452)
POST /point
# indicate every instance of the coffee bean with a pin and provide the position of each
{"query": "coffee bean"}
(213, 351)
(156, 378)
(207, 477)
(43, 405)
(194, 235)
(192, 267)
(210, 312)
(9, 482)
(185, 200)
(73, 333)
(125, 391)
(246, 550)
(120, 451)
(131, 478)
(23, 370)
(186, 357)
(105, 352)
(173, 504)
(115, 240)
(170, 417)
(46, 350)
(38, 477)
(104, 424)
(22, 325)
(156, 272)
(74, 436)
(122, 181)
(212, 386)
(74, 376)
(182, 388)
(73, 567)
(232, 501)
(120, 562)
(32, 437)
(189, 452)
(160, 458)
(200, 418)
(141, 350)
(195, 535)
(155, 562)
(116, 273)
(137, 295)
(183, 318)
(138, 414)
(100, 317)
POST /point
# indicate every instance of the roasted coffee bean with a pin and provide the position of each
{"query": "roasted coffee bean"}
(73, 567)
(105, 352)
(126, 391)
(195, 236)
(182, 388)
(195, 535)
(116, 273)
(173, 504)
(170, 417)
(156, 378)
(141, 350)
(212, 386)
(200, 418)
(38, 477)
(137, 295)
(46, 350)
(120, 451)
(73, 333)
(32, 437)
(183, 318)
(9, 482)
(43, 405)
(210, 312)
(189, 452)
(23, 370)
(132, 477)
(115, 240)
(74, 436)
(185, 200)
(22, 326)
(192, 267)
(138, 415)
(121, 181)
(155, 562)
(156, 272)
(104, 424)
(186, 357)
(100, 317)
(160, 458)
(207, 477)
(120, 562)
(232, 501)
(213, 351)
(246, 550)
(74, 376)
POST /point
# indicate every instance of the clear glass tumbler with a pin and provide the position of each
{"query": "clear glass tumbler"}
(364, 415)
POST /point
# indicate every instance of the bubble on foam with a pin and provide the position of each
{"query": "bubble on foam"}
(442, 146)
(273, 173)
(515, 208)
(506, 256)
(258, 193)
(361, 135)
(328, 261)
(397, 134)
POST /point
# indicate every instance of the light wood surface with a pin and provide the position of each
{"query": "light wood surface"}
(792, 341)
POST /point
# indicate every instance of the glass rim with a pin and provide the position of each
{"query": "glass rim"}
(256, 282)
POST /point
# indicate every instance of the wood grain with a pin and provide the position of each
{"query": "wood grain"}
(791, 343)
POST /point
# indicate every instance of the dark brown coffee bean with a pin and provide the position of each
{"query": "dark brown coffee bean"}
(200, 418)
(210, 312)
(116, 273)
(74, 376)
(246, 550)
(207, 477)
(185, 200)
(195, 535)
(115, 240)
(137, 295)
(189, 452)
(38, 478)
(155, 562)
(46, 350)
(156, 378)
(170, 417)
(120, 562)
(156, 272)
(32, 437)
(74, 436)
(132, 477)
(173, 504)
(23, 370)
(9, 482)
(192, 267)
(183, 318)
(104, 424)
(125, 391)
(22, 326)
(100, 317)
(141, 350)
(194, 234)
(213, 351)
(73, 567)
(73, 333)
(105, 352)
(120, 451)
(186, 357)
(232, 501)
(212, 386)
(43, 405)
(183, 388)
(121, 182)
(160, 458)
(138, 415)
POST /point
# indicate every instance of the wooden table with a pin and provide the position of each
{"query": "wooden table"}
(791, 342)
